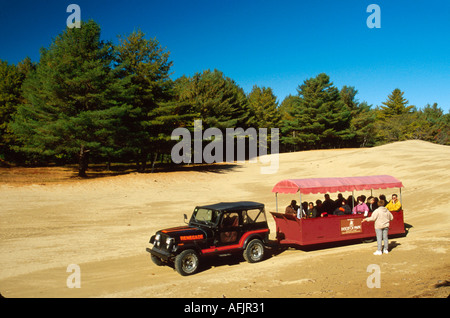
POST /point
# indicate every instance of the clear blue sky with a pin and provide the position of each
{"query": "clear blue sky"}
(276, 44)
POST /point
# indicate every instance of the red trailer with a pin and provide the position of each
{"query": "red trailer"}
(291, 230)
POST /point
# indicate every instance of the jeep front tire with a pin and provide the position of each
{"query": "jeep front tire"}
(254, 252)
(186, 263)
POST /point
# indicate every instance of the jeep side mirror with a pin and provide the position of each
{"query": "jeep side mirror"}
(185, 218)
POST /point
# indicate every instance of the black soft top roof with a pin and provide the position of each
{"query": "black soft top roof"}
(234, 206)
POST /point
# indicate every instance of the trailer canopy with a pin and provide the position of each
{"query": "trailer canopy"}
(329, 185)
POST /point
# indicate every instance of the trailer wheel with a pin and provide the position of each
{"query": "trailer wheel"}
(254, 252)
(186, 263)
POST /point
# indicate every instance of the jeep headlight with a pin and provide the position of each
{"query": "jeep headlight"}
(169, 242)
(157, 240)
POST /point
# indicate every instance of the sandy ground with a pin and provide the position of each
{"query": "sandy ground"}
(103, 225)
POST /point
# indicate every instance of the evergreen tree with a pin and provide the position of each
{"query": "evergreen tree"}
(10, 83)
(263, 108)
(287, 109)
(348, 97)
(320, 119)
(436, 126)
(71, 100)
(362, 125)
(362, 120)
(429, 124)
(143, 66)
(11, 80)
(400, 128)
(215, 99)
(395, 104)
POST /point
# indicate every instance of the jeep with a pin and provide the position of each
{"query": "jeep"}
(221, 228)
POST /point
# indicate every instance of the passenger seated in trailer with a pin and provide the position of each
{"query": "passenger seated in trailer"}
(292, 208)
(372, 203)
(301, 213)
(319, 207)
(342, 209)
(328, 204)
(361, 207)
(394, 205)
(305, 205)
(312, 211)
(337, 203)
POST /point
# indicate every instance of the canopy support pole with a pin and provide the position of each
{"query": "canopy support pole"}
(300, 205)
(353, 200)
(276, 200)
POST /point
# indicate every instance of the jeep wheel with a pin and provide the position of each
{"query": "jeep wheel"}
(254, 251)
(186, 263)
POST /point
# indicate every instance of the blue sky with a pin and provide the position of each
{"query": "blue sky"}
(276, 44)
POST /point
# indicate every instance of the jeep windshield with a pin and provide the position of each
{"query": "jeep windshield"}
(205, 216)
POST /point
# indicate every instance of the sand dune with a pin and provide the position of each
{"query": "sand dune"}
(103, 225)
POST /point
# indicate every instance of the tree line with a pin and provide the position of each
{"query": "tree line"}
(89, 100)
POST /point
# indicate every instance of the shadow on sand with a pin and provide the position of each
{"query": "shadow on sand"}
(273, 249)
(100, 171)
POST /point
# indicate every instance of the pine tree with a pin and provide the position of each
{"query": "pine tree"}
(395, 104)
(72, 103)
(287, 109)
(436, 126)
(362, 125)
(11, 80)
(320, 119)
(263, 108)
(362, 120)
(10, 84)
(215, 99)
(143, 66)
(287, 106)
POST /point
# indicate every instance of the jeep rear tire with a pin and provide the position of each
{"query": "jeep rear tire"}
(254, 252)
(186, 263)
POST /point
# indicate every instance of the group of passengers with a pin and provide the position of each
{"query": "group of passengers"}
(342, 206)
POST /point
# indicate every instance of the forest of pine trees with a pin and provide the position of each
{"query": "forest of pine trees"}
(87, 100)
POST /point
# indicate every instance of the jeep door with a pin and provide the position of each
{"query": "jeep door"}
(229, 229)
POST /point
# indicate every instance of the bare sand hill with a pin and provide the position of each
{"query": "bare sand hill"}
(103, 225)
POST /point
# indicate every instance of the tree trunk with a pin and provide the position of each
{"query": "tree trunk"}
(154, 161)
(83, 161)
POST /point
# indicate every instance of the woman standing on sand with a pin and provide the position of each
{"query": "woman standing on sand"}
(382, 218)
